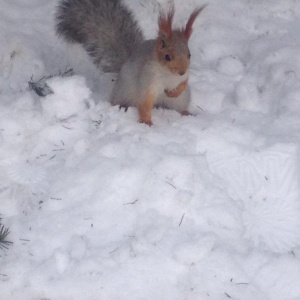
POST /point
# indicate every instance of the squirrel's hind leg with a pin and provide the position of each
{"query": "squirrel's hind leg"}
(145, 108)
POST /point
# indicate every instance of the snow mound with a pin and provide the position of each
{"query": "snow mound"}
(271, 221)
(198, 207)
(265, 184)
(27, 174)
(230, 65)
(70, 96)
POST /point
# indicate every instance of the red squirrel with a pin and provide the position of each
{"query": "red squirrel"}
(150, 72)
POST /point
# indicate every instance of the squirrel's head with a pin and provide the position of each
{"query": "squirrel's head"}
(172, 45)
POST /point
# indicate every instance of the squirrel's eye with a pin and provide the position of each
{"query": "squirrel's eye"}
(168, 57)
(189, 55)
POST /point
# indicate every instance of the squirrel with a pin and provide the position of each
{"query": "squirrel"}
(151, 73)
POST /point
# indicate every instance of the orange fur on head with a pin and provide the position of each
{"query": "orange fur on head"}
(187, 31)
(165, 21)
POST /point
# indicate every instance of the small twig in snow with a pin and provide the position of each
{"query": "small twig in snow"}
(131, 203)
(66, 127)
(181, 220)
(24, 240)
(41, 88)
(114, 251)
(171, 184)
(129, 236)
(4, 232)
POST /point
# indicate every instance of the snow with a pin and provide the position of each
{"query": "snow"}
(198, 207)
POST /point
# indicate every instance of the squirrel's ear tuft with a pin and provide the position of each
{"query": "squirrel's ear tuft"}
(161, 43)
(187, 31)
(165, 21)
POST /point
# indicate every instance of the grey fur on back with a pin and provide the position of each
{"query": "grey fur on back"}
(105, 28)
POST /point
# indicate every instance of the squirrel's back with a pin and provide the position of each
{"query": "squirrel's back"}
(105, 28)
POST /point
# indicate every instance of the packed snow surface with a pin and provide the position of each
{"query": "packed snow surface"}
(199, 207)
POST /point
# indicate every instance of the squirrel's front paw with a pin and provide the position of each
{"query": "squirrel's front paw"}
(177, 91)
(173, 93)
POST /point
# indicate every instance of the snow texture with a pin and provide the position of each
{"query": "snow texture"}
(198, 207)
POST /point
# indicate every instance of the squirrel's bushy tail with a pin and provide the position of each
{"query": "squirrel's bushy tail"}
(105, 28)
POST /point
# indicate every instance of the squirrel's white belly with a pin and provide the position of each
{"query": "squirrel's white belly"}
(131, 86)
(167, 80)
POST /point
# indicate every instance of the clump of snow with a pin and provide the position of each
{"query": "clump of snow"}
(248, 96)
(70, 96)
(230, 65)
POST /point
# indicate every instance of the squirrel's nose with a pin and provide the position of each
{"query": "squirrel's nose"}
(181, 73)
